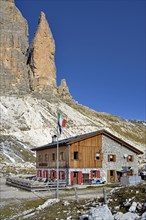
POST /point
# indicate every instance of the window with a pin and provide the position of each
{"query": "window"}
(76, 155)
(111, 158)
(53, 156)
(61, 156)
(111, 173)
(75, 174)
(39, 158)
(94, 173)
(46, 158)
(130, 158)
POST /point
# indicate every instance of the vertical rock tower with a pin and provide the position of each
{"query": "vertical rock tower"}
(13, 47)
(23, 68)
(41, 58)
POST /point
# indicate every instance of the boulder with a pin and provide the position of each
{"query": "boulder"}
(133, 207)
(126, 216)
(100, 213)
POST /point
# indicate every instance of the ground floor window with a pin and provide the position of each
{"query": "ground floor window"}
(95, 174)
(86, 179)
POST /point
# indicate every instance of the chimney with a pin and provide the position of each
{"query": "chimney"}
(54, 138)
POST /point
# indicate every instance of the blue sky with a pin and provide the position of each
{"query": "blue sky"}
(100, 51)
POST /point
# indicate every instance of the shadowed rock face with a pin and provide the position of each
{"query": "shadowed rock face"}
(13, 47)
(41, 58)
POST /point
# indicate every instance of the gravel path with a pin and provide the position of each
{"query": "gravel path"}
(7, 193)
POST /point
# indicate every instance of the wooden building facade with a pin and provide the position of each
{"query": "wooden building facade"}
(97, 155)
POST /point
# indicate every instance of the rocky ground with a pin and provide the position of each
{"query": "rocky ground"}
(14, 200)
(19, 204)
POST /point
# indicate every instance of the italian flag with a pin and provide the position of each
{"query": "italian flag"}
(61, 122)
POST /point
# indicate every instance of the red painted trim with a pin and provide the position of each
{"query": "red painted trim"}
(62, 175)
(45, 173)
(80, 177)
(98, 173)
(39, 173)
(51, 174)
(91, 174)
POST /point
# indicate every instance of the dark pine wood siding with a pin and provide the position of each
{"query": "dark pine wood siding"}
(45, 158)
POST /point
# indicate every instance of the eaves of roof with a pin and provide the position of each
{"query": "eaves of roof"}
(75, 139)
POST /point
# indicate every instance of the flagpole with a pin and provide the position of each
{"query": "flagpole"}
(57, 161)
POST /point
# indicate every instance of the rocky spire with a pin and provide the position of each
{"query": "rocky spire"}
(41, 59)
(63, 90)
(14, 43)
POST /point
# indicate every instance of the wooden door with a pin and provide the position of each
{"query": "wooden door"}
(75, 178)
(111, 176)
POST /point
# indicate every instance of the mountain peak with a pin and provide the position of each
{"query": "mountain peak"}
(42, 55)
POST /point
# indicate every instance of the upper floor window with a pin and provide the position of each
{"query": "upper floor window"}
(130, 158)
(76, 155)
(46, 157)
(39, 158)
(53, 156)
(61, 156)
(111, 158)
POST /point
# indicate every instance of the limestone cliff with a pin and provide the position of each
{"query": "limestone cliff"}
(41, 58)
(30, 120)
(13, 47)
(23, 68)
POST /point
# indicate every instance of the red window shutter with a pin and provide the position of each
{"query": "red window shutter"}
(80, 177)
(51, 174)
(55, 174)
(71, 177)
(40, 173)
(63, 175)
(98, 173)
(91, 174)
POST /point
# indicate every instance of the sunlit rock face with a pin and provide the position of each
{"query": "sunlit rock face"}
(41, 59)
(63, 90)
(14, 43)
(27, 68)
